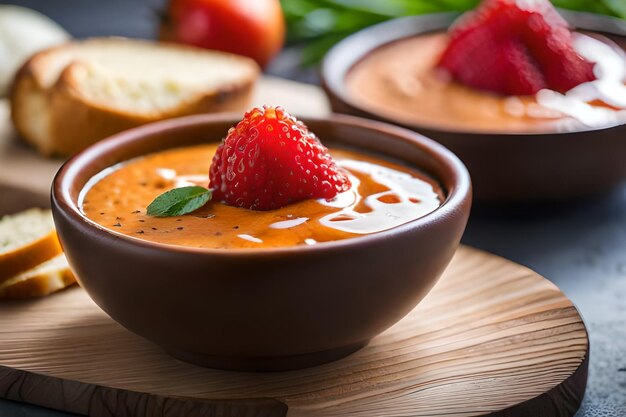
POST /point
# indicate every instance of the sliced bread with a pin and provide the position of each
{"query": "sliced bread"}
(27, 239)
(46, 278)
(68, 97)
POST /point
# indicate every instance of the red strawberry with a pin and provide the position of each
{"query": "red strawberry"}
(270, 160)
(514, 47)
(509, 66)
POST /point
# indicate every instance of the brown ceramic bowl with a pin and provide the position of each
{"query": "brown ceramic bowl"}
(505, 167)
(262, 309)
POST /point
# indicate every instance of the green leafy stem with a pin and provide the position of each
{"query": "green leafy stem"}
(318, 24)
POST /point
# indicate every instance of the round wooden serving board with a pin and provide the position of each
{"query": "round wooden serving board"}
(493, 338)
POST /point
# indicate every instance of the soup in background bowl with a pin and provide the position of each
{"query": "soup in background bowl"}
(516, 150)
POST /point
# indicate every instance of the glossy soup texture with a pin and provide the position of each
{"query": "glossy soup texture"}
(383, 195)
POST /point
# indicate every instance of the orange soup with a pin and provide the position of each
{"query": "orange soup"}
(383, 195)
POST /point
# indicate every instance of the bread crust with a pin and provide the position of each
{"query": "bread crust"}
(39, 285)
(24, 92)
(29, 256)
(60, 121)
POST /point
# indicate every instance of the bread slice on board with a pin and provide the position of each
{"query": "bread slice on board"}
(70, 96)
(27, 239)
(44, 279)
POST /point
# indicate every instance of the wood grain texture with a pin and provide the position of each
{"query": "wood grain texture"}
(493, 338)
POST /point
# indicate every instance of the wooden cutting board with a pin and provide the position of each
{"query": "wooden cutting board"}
(492, 338)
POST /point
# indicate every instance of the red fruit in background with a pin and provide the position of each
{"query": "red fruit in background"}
(269, 160)
(514, 47)
(252, 28)
(502, 66)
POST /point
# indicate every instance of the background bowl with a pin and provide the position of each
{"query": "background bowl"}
(262, 309)
(505, 167)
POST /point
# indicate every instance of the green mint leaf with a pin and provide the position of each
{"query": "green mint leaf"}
(179, 201)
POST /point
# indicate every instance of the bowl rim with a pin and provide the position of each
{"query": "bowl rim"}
(457, 196)
(344, 55)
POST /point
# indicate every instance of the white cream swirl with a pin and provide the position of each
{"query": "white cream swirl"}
(608, 87)
(415, 198)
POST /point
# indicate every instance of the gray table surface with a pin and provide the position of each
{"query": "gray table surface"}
(580, 246)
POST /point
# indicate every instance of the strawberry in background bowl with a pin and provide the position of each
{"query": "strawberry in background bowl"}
(533, 107)
(515, 49)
